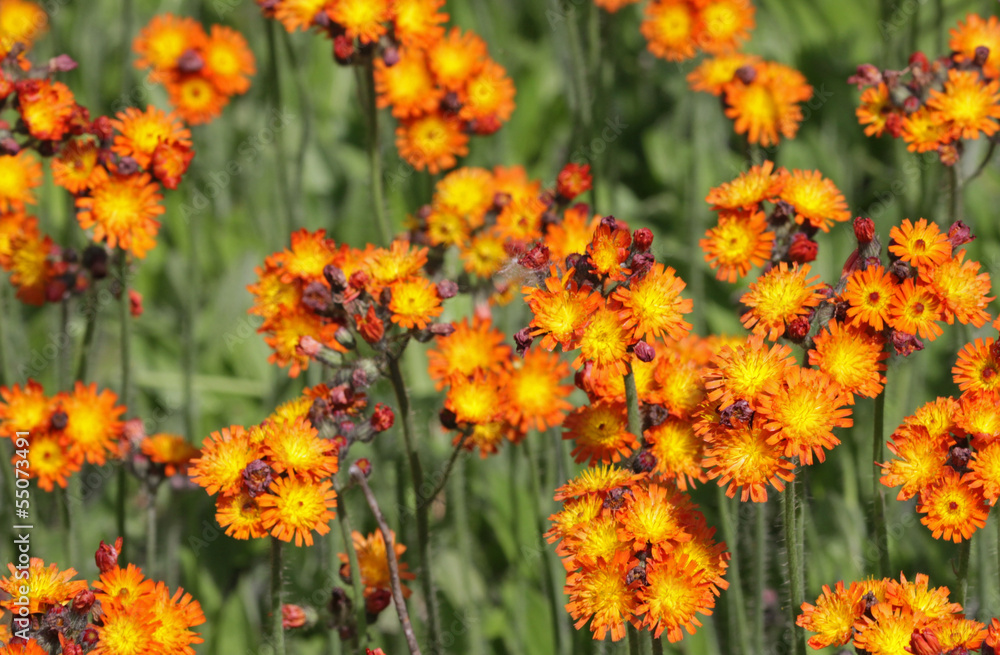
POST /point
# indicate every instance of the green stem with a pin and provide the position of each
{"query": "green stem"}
(277, 629)
(306, 137)
(151, 563)
(760, 574)
(375, 153)
(578, 69)
(632, 636)
(5, 377)
(955, 194)
(65, 353)
(734, 596)
(427, 500)
(122, 490)
(464, 526)
(344, 521)
(125, 395)
(274, 73)
(632, 404)
(68, 521)
(793, 548)
(879, 530)
(962, 570)
(88, 335)
(190, 342)
(422, 511)
(658, 646)
(986, 160)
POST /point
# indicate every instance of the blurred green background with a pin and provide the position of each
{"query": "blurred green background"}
(499, 584)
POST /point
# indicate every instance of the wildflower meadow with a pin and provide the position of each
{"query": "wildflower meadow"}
(569, 327)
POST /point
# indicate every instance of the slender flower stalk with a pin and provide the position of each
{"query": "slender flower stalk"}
(760, 574)
(794, 551)
(962, 570)
(375, 152)
(734, 595)
(428, 500)
(422, 511)
(151, 562)
(282, 174)
(88, 335)
(390, 549)
(4, 317)
(277, 629)
(632, 404)
(125, 393)
(879, 530)
(361, 627)
(66, 353)
(633, 640)
(955, 190)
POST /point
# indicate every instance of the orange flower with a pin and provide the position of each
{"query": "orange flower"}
(561, 309)
(968, 105)
(600, 433)
(915, 309)
(372, 560)
(778, 297)
(456, 58)
(93, 424)
(25, 409)
(768, 106)
(294, 508)
(922, 245)
(750, 189)
(654, 305)
(869, 292)
(678, 451)
(361, 19)
(195, 97)
(598, 480)
(954, 509)
(887, 630)
(141, 132)
(470, 348)
(415, 303)
(431, 142)
(408, 86)
(122, 207)
(295, 447)
(815, 199)
(161, 43)
(171, 450)
(47, 585)
(604, 340)
(874, 109)
(20, 22)
(654, 517)
(739, 242)
(714, 73)
(73, 167)
(975, 32)
(46, 108)
(745, 457)
(599, 594)
(671, 29)
(31, 266)
(521, 220)
(924, 131)
(50, 462)
(724, 25)
(984, 471)
(962, 290)
(19, 174)
(239, 514)
(833, 616)
(744, 371)
(229, 63)
(418, 22)
(224, 455)
(675, 593)
(476, 399)
(535, 396)
(488, 95)
(852, 358)
(977, 370)
(286, 330)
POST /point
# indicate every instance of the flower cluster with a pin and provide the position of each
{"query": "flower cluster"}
(200, 71)
(441, 85)
(936, 105)
(375, 579)
(493, 395)
(948, 452)
(125, 612)
(886, 616)
(316, 296)
(636, 552)
(749, 234)
(65, 429)
(676, 30)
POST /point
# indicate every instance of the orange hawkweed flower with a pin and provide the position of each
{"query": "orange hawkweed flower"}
(20, 22)
(224, 455)
(750, 189)
(968, 105)
(50, 461)
(768, 106)
(239, 514)
(920, 459)
(816, 200)
(654, 305)
(229, 63)
(295, 447)
(31, 266)
(561, 309)
(604, 340)
(521, 220)
(294, 508)
(874, 110)
(19, 174)
(476, 399)
(470, 348)
(431, 142)
(468, 191)
(852, 358)
(922, 245)
(724, 25)
(977, 416)
(361, 19)
(46, 108)
(678, 451)
(489, 94)
(744, 371)
(738, 243)
(161, 43)
(714, 73)
(915, 309)
(675, 593)
(611, 6)
(778, 297)
(804, 407)
(286, 329)
(93, 424)
(120, 588)
(195, 98)
(122, 210)
(600, 595)
(889, 629)
(407, 87)
(953, 507)
(654, 517)
(456, 58)
(924, 131)
(918, 596)
(24, 409)
(73, 167)
(415, 303)
(47, 586)
(744, 457)
(599, 432)
(140, 132)
(171, 450)
(869, 292)
(418, 22)
(176, 614)
(298, 14)
(598, 480)
(975, 32)
(977, 370)
(372, 554)
(128, 631)
(984, 471)
(962, 290)
(833, 616)
(535, 396)
(671, 29)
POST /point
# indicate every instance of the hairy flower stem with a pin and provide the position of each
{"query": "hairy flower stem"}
(151, 563)
(422, 511)
(632, 404)
(284, 187)
(879, 530)
(633, 640)
(277, 629)
(658, 646)
(88, 334)
(361, 627)
(375, 153)
(793, 546)
(759, 574)
(955, 190)
(738, 642)
(125, 395)
(962, 570)
(581, 90)
(65, 354)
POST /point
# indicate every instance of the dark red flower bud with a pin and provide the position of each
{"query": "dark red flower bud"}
(610, 223)
(642, 239)
(448, 418)
(447, 289)
(101, 128)
(83, 601)
(190, 61)
(948, 154)
(981, 55)
(442, 329)
(925, 642)
(573, 180)
(501, 199)
(523, 339)
(739, 412)
(134, 303)
(377, 601)
(919, 60)
(90, 637)
(59, 420)
(802, 249)
(746, 74)
(864, 230)
(894, 124)
(9, 146)
(865, 75)
(340, 444)
(645, 352)
(901, 270)
(61, 64)
(959, 234)
(292, 616)
(257, 478)
(390, 55)
(911, 104)
(797, 329)
(645, 462)
(107, 556)
(905, 343)
(535, 259)
(343, 49)
(382, 417)
(641, 263)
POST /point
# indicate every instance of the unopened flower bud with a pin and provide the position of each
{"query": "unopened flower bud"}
(919, 60)
(377, 601)
(797, 329)
(344, 337)
(864, 230)
(645, 462)
(573, 180)
(865, 75)
(447, 289)
(959, 234)
(89, 638)
(58, 421)
(127, 166)
(901, 270)
(106, 556)
(610, 223)
(644, 352)
(740, 412)
(9, 146)
(925, 642)
(95, 260)
(449, 421)
(911, 104)
(343, 49)
(61, 64)
(653, 415)
(982, 54)
(905, 343)
(535, 259)
(364, 465)
(257, 477)
(642, 239)
(390, 55)
(442, 329)
(83, 601)
(522, 340)
(309, 347)
(292, 616)
(641, 263)
(948, 154)
(501, 199)
(382, 417)
(746, 74)
(190, 61)
(802, 249)
(134, 303)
